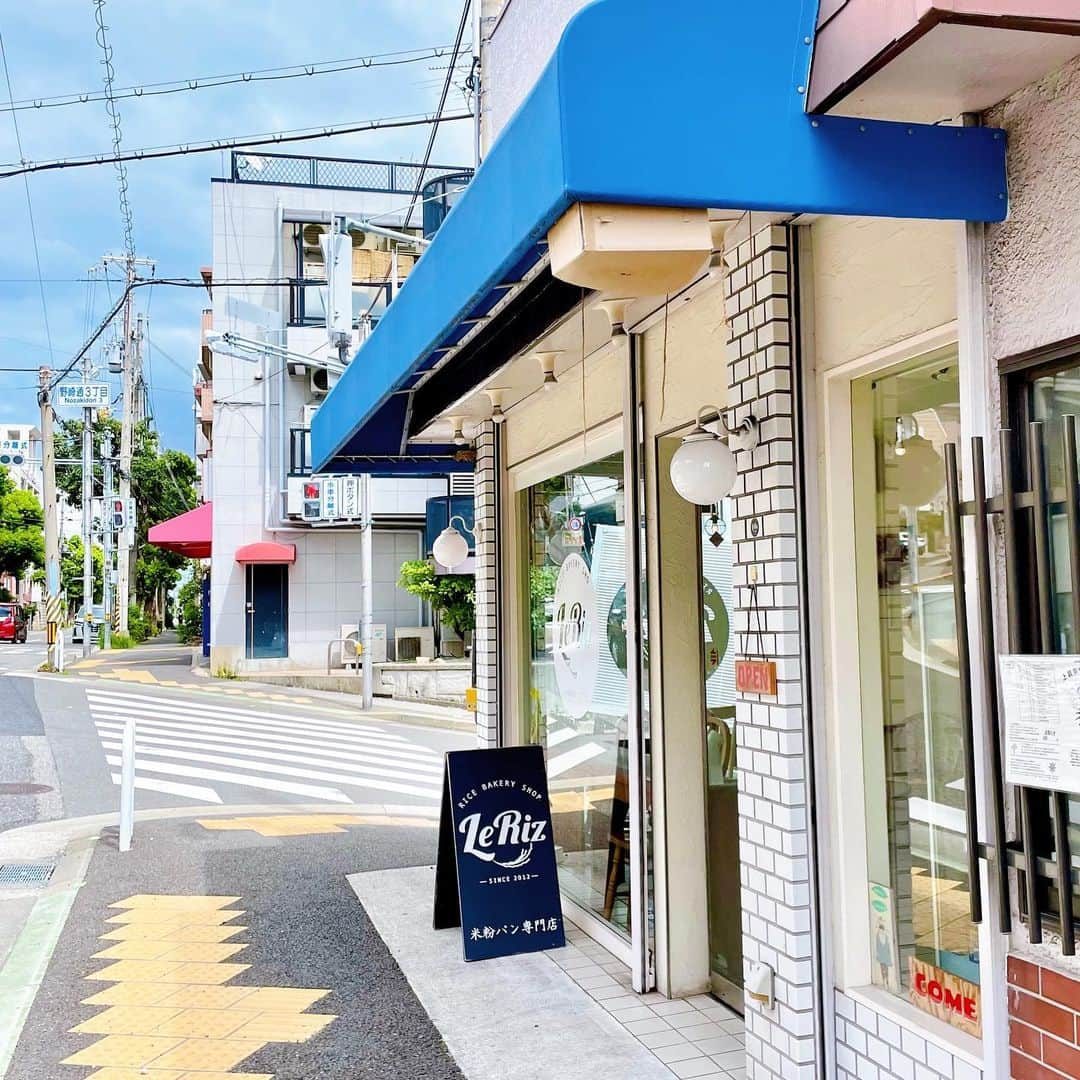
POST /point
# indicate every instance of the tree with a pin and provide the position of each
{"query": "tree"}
(451, 596)
(71, 571)
(162, 485)
(22, 537)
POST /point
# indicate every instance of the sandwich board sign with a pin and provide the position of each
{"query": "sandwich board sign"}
(496, 875)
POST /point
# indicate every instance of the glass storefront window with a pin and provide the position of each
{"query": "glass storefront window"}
(1052, 397)
(912, 742)
(578, 697)
(722, 783)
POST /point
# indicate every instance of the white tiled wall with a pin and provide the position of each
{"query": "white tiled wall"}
(773, 823)
(870, 1046)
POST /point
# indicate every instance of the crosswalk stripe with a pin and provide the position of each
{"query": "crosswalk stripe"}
(169, 787)
(146, 756)
(244, 780)
(561, 763)
(418, 756)
(250, 719)
(142, 739)
(305, 747)
(205, 708)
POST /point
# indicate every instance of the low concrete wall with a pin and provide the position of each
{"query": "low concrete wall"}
(441, 682)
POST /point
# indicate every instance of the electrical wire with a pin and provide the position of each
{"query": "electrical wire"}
(232, 143)
(117, 130)
(29, 205)
(209, 82)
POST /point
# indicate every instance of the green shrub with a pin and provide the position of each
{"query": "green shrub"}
(189, 612)
(139, 626)
(121, 641)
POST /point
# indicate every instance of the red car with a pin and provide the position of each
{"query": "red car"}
(12, 623)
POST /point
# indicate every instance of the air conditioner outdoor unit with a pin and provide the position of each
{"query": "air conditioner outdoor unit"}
(352, 632)
(411, 642)
(309, 414)
(322, 381)
(294, 497)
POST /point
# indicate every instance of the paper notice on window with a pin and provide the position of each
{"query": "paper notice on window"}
(1041, 696)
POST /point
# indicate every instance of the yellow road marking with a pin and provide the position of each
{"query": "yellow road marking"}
(278, 825)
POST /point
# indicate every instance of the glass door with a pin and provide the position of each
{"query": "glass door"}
(722, 789)
(267, 611)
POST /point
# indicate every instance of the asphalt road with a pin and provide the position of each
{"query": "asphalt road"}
(204, 746)
(305, 928)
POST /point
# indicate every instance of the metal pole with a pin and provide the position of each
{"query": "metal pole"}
(368, 589)
(87, 519)
(107, 536)
(127, 785)
(52, 532)
(127, 356)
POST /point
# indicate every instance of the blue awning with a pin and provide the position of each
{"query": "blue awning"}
(694, 104)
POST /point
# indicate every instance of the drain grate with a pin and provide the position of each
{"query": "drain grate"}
(26, 873)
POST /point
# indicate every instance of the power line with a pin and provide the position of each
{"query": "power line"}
(208, 82)
(237, 142)
(114, 120)
(29, 204)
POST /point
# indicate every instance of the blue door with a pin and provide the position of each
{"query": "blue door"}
(267, 610)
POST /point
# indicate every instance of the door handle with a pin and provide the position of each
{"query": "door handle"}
(249, 607)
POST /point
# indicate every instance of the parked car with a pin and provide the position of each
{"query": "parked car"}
(13, 625)
(97, 617)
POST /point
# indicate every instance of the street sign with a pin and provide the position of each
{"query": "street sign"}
(82, 395)
(496, 875)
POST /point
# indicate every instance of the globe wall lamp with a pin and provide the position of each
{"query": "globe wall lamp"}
(703, 469)
(451, 548)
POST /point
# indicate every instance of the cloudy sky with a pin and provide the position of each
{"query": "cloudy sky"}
(51, 49)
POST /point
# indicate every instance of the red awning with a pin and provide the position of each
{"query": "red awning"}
(187, 534)
(266, 552)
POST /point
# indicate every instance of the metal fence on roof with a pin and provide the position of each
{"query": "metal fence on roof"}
(393, 177)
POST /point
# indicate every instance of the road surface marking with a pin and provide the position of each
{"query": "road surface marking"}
(309, 824)
(170, 787)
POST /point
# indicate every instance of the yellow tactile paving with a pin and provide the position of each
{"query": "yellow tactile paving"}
(283, 1027)
(161, 916)
(128, 1020)
(282, 999)
(203, 1055)
(309, 824)
(139, 993)
(144, 949)
(138, 1074)
(207, 997)
(177, 903)
(133, 1051)
(172, 932)
(136, 971)
(169, 1016)
(205, 1023)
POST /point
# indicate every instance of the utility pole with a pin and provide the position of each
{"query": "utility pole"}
(52, 532)
(367, 595)
(107, 526)
(87, 508)
(131, 355)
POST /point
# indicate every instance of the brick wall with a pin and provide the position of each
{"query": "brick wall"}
(1044, 1022)
(773, 827)
(484, 637)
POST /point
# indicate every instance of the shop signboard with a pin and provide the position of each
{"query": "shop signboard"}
(1041, 696)
(946, 996)
(756, 677)
(496, 875)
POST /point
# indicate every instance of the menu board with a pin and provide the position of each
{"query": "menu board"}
(1041, 696)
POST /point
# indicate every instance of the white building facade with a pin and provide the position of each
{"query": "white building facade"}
(284, 606)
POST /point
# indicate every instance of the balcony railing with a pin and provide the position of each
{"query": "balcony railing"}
(392, 177)
(299, 451)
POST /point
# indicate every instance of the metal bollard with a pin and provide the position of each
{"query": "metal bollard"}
(127, 785)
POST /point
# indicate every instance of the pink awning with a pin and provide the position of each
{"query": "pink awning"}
(187, 534)
(266, 552)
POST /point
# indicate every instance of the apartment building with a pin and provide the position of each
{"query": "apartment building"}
(736, 288)
(283, 541)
